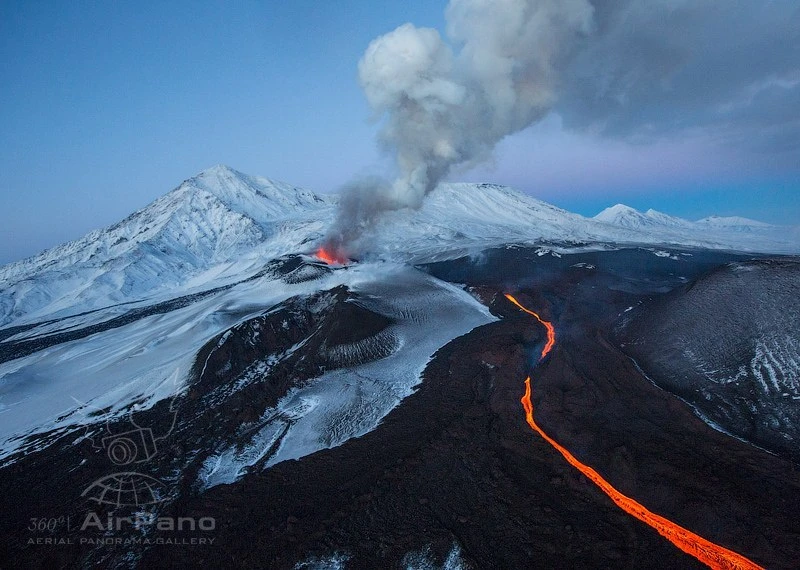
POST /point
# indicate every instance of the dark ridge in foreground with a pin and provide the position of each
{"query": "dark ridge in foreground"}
(729, 344)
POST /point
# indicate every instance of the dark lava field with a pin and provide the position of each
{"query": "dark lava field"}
(655, 381)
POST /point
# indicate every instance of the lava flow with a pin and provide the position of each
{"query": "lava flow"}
(551, 331)
(707, 552)
(331, 257)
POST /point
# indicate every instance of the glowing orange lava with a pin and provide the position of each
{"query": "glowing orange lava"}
(707, 552)
(551, 332)
(331, 257)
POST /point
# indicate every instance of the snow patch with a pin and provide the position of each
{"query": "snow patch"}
(350, 402)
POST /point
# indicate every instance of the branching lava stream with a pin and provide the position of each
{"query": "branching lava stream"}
(707, 552)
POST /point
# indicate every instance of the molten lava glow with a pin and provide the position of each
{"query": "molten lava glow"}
(331, 257)
(705, 551)
(551, 332)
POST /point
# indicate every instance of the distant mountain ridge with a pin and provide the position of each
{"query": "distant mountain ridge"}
(732, 222)
(221, 226)
(732, 232)
(625, 216)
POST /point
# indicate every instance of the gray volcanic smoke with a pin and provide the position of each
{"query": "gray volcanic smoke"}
(620, 68)
(444, 108)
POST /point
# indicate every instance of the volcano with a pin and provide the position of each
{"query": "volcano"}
(204, 383)
(331, 256)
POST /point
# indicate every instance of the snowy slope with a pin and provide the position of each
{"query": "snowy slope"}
(111, 318)
(222, 226)
(349, 402)
(216, 217)
(64, 386)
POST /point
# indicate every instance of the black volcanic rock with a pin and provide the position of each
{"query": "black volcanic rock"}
(729, 344)
(299, 339)
(455, 464)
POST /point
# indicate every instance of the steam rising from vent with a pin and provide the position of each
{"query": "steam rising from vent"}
(628, 69)
(446, 107)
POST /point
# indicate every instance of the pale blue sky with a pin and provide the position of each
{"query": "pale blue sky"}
(104, 106)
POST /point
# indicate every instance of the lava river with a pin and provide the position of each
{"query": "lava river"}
(707, 552)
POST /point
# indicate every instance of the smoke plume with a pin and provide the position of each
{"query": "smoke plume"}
(619, 68)
(446, 107)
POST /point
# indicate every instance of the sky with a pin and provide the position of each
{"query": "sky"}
(691, 108)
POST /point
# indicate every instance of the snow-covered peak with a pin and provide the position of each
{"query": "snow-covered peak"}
(259, 198)
(460, 218)
(714, 232)
(490, 202)
(626, 217)
(213, 218)
(615, 211)
(216, 201)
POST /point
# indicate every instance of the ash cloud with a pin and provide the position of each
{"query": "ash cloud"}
(443, 107)
(627, 69)
(664, 67)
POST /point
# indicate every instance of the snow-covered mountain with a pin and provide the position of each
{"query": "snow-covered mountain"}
(733, 222)
(718, 232)
(627, 217)
(215, 219)
(222, 226)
